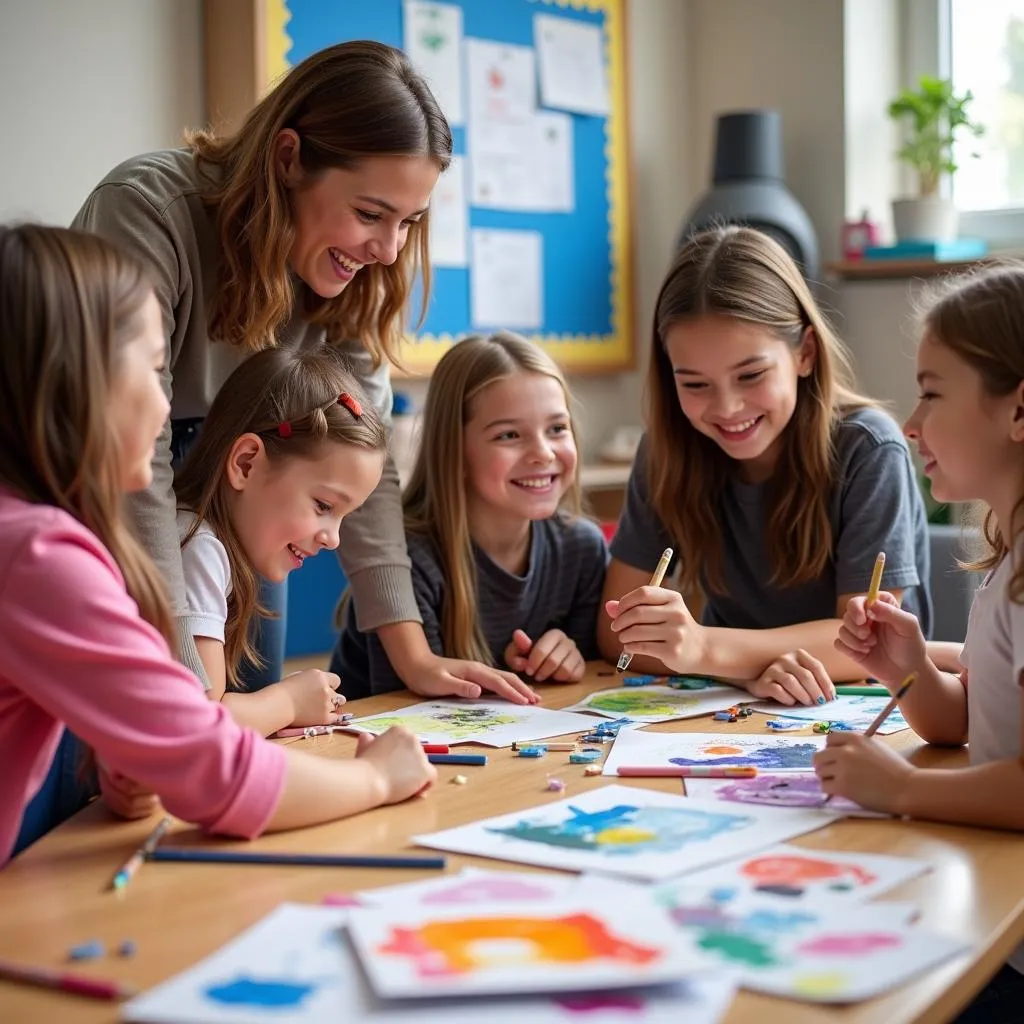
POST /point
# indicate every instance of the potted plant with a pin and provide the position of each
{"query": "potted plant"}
(932, 116)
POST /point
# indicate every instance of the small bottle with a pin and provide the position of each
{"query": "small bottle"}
(858, 235)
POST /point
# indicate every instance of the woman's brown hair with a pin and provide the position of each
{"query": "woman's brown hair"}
(980, 317)
(742, 273)
(271, 388)
(435, 500)
(69, 304)
(346, 103)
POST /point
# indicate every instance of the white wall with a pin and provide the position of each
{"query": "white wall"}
(85, 85)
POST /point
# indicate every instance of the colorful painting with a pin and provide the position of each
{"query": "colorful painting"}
(664, 749)
(794, 789)
(297, 967)
(649, 704)
(472, 886)
(491, 723)
(504, 948)
(627, 831)
(827, 953)
(856, 711)
(810, 876)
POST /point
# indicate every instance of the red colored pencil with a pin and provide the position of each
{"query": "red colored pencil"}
(76, 984)
(435, 748)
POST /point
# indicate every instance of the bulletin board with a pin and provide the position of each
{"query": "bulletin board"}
(587, 257)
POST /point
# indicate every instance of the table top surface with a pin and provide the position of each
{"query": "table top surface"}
(56, 894)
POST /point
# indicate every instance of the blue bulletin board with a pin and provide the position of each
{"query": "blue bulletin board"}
(587, 306)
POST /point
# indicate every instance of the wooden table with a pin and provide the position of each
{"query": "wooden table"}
(56, 893)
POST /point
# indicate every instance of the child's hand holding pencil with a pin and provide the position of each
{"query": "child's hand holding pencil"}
(882, 638)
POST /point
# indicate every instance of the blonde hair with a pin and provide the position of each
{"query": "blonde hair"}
(435, 499)
(346, 103)
(742, 273)
(271, 388)
(980, 317)
(69, 304)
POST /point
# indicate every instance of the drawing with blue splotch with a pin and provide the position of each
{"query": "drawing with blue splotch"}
(798, 755)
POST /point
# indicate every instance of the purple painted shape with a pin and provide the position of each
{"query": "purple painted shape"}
(479, 890)
(598, 1001)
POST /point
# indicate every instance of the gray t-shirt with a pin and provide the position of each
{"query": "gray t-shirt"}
(875, 505)
(560, 590)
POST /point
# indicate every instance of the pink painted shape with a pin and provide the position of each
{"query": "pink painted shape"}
(600, 1001)
(850, 945)
(483, 889)
(341, 899)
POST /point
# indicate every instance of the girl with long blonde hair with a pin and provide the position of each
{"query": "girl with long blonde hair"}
(773, 480)
(507, 572)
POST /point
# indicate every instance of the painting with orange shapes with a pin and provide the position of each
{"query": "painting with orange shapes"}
(562, 945)
(810, 877)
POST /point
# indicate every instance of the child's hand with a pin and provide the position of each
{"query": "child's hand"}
(452, 677)
(553, 656)
(655, 622)
(313, 696)
(125, 798)
(795, 678)
(884, 639)
(862, 769)
(397, 755)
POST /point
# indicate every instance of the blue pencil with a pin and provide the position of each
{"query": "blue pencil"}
(344, 860)
(457, 758)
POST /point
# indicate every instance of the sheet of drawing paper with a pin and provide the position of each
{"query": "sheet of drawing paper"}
(768, 789)
(688, 749)
(626, 830)
(492, 723)
(473, 885)
(858, 712)
(828, 953)
(649, 704)
(513, 948)
(296, 966)
(801, 876)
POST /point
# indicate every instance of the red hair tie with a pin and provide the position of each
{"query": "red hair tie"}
(284, 429)
(351, 404)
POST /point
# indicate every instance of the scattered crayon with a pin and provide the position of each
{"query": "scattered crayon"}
(87, 950)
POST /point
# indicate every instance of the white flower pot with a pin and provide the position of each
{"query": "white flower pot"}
(924, 220)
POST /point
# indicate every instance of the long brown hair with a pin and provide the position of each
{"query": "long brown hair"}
(742, 273)
(980, 317)
(274, 386)
(435, 499)
(69, 304)
(346, 103)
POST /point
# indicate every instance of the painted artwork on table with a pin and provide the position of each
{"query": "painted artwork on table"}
(802, 876)
(855, 711)
(472, 885)
(297, 966)
(627, 831)
(512, 948)
(650, 704)
(492, 723)
(736, 749)
(791, 789)
(827, 953)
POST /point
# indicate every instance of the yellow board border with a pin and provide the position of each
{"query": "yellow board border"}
(579, 353)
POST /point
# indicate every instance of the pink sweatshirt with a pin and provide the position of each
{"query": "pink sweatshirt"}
(76, 652)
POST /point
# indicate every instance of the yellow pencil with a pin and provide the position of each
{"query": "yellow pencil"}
(876, 579)
(656, 580)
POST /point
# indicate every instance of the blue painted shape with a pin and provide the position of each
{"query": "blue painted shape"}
(577, 251)
(261, 992)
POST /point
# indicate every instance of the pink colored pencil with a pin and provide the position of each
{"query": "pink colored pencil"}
(687, 772)
(76, 984)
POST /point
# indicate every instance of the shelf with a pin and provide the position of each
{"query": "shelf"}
(881, 270)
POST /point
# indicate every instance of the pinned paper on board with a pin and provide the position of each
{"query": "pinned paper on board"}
(433, 41)
(856, 711)
(296, 966)
(449, 219)
(621, 830)
(502, 81)
(650, 704)
(802, 876)
(738, 749)
(571, 66)
(792, 789)
(506, 286)
(494, 723)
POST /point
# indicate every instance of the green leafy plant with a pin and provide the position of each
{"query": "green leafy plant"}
(933, 116)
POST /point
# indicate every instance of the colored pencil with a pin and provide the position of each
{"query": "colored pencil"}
(861, 691)
(435, 748)
(127, 871)
(876, 579)
(457, 758)
(76, 984)
(312, 730)
(656, 581)
(182, 854)
(687, 772)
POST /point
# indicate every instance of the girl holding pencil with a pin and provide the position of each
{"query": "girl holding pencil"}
(969, 427)
(86, 627)
(774, 481)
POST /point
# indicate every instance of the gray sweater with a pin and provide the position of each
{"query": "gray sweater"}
(152, 207)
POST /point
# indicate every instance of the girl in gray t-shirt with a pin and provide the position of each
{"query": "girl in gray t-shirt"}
(775, 483)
